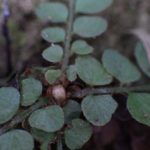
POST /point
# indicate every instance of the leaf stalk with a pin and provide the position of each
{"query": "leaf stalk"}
(110, 90)
(68, 38)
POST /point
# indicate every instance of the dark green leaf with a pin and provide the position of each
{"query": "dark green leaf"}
(52, 11)
(45, 138)
(120, 67)
(91, 71)
(92, 6)
(89, 26)
(16, 140)
(142, 59)
(81, 47)
(53, 54)
(98, 109)
(42, 136)
(139, 106)
(31, 89)
(9, 103)
(71, 73)
(53, 34)
(79, 133)
(72, 110)
(49, 119)
(52, 75)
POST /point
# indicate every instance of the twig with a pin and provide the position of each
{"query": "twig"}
(110, 90)
(21, 116)
(5, 32)
(68, 36)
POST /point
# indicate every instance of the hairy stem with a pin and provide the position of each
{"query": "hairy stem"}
(110, 90)
(79, 94)
(21, 116)
(68, 36)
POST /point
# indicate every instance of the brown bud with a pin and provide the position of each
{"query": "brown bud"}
(49, 91)
(59, 93)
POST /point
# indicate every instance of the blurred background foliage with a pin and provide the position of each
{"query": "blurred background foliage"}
(27, 44)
